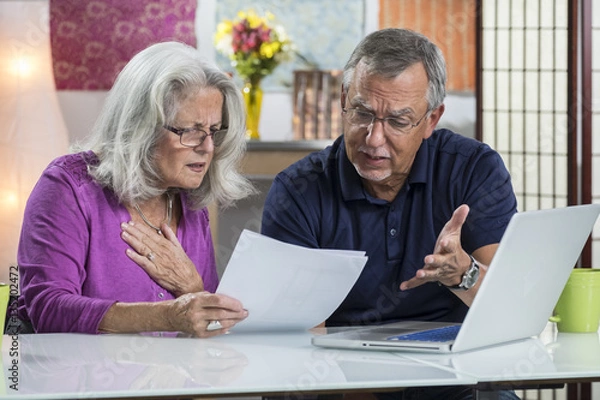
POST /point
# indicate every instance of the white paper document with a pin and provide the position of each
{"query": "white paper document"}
(287, 287)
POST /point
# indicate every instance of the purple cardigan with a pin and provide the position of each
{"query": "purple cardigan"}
(72, 260)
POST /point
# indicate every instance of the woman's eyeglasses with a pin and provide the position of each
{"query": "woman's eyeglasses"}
(193, 137)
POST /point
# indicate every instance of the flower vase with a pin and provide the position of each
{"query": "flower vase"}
(253, 100)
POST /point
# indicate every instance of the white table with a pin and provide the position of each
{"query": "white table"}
(551, 357)
(69, 366)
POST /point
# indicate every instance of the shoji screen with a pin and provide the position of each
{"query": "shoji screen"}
(524, 95)
(593, 135)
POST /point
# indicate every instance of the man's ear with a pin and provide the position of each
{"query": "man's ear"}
(433, 120)
(343, 95)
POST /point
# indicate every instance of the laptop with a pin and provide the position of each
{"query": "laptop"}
(524, 281)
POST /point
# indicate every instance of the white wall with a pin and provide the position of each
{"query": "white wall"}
(80, 108)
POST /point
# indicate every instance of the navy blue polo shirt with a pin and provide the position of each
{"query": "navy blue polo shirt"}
(320, 202)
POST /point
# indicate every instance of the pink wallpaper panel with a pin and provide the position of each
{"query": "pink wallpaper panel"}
(93, 40)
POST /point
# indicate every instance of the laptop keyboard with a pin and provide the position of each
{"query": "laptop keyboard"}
(443, 334)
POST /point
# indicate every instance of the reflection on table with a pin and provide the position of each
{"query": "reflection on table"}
(126, 366)
(75, 366)
(553, 356)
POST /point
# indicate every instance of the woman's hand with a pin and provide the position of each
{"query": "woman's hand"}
(198, 314)
(162, 257)
(193, 314)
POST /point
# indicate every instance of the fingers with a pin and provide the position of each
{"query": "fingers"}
(207, 314)
(435, 270)
(169, 234)
(162, 257)
(141, 239)
(444, 265)
(144, 249)
(458, 218)
(451, 231)
(446, 269)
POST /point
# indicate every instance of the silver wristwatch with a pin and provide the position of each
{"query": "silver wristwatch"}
(470, 277)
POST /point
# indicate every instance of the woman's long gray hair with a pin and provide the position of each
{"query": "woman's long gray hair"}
(146, 96)
(388, 52)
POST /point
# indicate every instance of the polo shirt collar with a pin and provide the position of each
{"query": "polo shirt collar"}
(352, 188)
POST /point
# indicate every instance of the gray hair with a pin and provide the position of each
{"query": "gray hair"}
(388, 52)
(145, 96)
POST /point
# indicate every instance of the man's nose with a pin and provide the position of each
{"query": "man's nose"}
(375, 132)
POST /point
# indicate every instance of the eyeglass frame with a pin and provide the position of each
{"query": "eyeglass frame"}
(384, 119)
(180, 131)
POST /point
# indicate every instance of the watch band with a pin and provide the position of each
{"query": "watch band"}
(470, 277)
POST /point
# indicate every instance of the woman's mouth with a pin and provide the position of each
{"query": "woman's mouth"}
(196, 167)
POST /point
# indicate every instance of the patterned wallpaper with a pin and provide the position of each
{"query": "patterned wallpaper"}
(325, 32)
(93, 40)
(450, 24)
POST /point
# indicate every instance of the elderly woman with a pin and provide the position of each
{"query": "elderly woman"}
(116, 237)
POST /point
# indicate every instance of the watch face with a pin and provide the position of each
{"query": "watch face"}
(471, 276)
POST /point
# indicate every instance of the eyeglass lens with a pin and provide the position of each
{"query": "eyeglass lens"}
(364, 119)
(196, 137)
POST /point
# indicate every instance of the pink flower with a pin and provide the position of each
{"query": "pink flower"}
(254, 45)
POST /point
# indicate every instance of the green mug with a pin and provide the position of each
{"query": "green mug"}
(578, 308)
(4, 295)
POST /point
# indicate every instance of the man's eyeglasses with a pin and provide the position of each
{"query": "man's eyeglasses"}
(193, 137)
(364, 119)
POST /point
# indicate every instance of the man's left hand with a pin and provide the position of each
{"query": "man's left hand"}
(449, 261)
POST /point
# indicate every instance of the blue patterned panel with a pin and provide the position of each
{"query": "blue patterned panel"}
(324, 32)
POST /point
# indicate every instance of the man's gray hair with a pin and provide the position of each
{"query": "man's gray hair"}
(388, 52)
(146, 96)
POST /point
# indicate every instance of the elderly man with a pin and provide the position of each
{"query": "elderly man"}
(427, 205)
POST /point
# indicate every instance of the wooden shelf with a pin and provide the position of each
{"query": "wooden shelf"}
(262, 161)
(266, 159)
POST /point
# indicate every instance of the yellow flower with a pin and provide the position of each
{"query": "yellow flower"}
(253, 20)
(223, 28)
(254, 44)
(268, 50)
